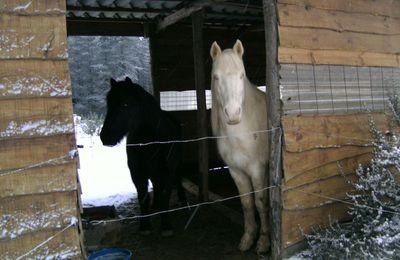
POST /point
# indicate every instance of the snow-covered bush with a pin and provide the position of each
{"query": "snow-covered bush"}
(374, 232)
(91, 124)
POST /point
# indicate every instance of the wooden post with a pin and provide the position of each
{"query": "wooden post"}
(153, 43)
(197, 22)
(274, 122)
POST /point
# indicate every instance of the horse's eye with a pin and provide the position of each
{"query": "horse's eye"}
(242, 76)
(216, 77)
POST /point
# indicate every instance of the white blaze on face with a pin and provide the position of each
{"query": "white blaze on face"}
(228, 79)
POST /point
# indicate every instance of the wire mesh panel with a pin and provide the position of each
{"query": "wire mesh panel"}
(181, 100)
(336, 89)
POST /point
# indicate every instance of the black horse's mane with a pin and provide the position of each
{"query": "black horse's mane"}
(127, 87)
(147, 97)
(148, 102)
(151, 102)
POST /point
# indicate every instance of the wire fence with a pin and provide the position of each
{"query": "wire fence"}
(73, 154)
(196, 207)
(336, 89)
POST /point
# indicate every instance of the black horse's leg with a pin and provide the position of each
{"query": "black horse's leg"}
(140, 178)
(174, 162)
(141, 182)
(166, 225)
(144, 201)
(162, 194)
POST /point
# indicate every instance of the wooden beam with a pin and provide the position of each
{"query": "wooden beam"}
(338, 57)
(77, 26)
(274, 112)
(323, 39)
(197, 22)
(299, 16)
(153, 45)
(234, 216)
(388, 8)
(185, 12)
(330, 131)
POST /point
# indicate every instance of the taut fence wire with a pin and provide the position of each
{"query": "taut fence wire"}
(74, 153)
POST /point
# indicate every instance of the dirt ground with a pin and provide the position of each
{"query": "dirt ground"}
(209, 235)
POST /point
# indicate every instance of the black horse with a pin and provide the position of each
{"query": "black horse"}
(134, 113)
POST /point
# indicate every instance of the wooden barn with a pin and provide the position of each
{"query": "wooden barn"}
(324, 64)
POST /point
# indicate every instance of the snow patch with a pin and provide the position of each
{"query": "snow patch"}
(103, 173)
(10, 40)
(40, 127)
(23, 7)
(18, 222)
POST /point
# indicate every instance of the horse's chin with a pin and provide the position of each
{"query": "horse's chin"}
(110, 143)
(233, 122)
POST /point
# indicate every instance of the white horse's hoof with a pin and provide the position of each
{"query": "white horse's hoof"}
(246, 242)
(263, 244)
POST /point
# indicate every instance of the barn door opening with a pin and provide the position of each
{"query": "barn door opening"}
(104, 175)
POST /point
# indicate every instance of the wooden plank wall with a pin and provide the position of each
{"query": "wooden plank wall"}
(337, 58)
(356, 32)
(38, 178)
(315, 147)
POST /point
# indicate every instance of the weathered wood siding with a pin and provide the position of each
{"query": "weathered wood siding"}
(315, 148)
(356, 32)
(338, 59)
(38, 181)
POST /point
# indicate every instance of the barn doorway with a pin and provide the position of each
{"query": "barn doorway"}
(93, 60)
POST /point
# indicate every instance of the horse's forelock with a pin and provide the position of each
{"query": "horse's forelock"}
(229, 60)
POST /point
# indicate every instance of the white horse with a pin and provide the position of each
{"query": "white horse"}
(239, 108)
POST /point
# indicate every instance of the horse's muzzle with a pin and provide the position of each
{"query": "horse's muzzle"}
(110, 144)
(107, 141)
(233, 116)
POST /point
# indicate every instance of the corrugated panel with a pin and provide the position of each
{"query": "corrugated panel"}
(225, 12)
(336, 89)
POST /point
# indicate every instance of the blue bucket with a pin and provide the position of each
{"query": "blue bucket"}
(111, 254)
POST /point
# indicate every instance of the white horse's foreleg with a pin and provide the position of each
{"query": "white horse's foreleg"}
(243, 183)
(261, 200)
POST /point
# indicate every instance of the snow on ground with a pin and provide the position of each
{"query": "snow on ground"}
(103, 173)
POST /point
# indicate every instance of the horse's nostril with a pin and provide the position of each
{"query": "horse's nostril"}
(233, 113)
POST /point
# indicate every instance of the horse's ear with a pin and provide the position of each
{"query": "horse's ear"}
(128, 80)
(215, 50)
(113, 82)
(238, 48)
